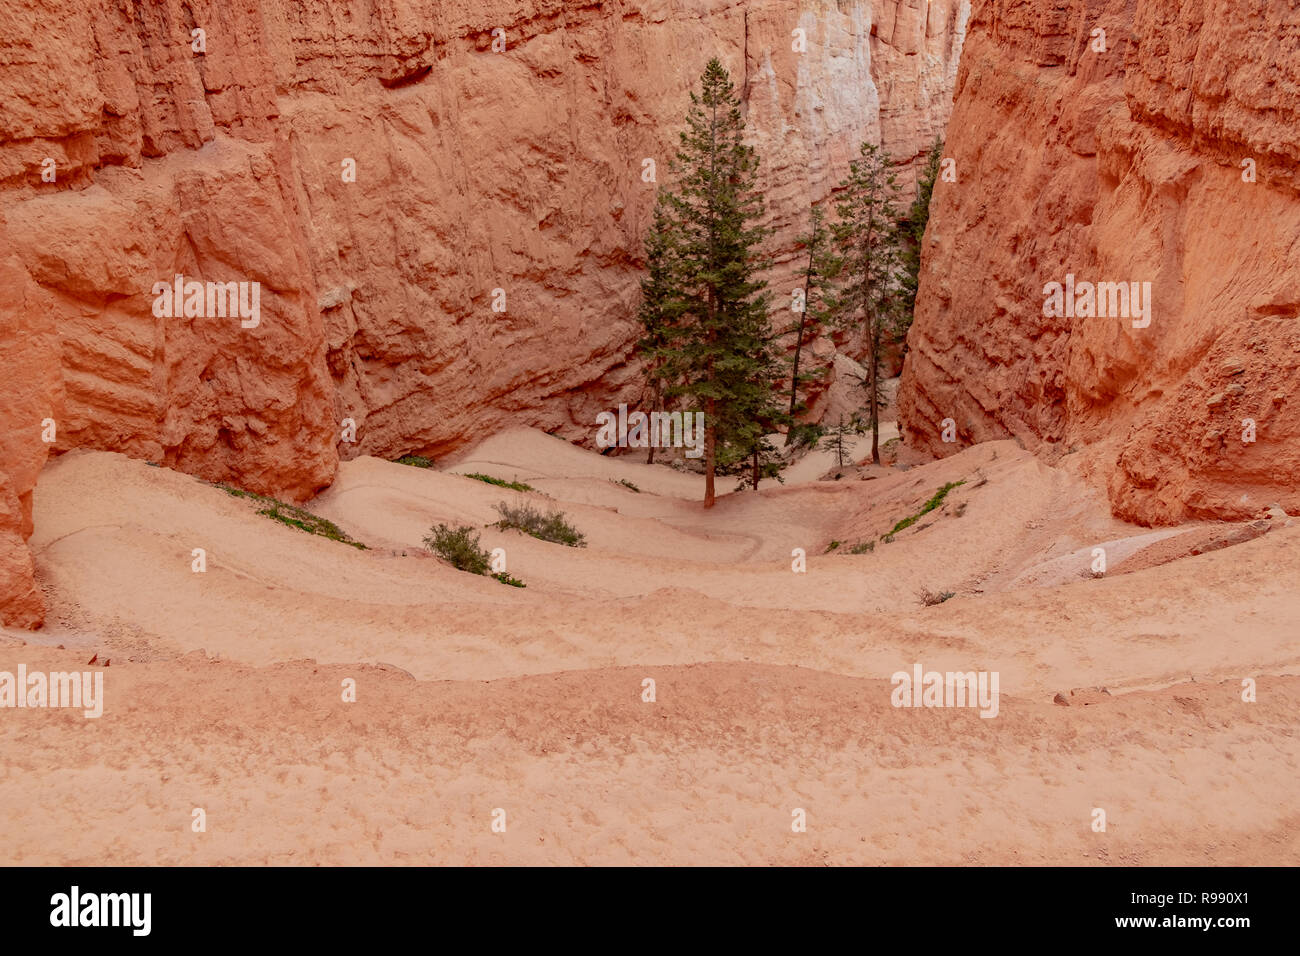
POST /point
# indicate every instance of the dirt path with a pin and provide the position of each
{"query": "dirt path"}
(772, 686)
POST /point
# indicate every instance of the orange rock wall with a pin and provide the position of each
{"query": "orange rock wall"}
(1123, 165)
(476, 170)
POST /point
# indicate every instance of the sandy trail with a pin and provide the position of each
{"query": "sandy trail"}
(773, 685)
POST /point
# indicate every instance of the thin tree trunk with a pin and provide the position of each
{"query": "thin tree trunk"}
(756, 468)
(875, 397)
(798, 342)
(710, 455)
(650, 458)
(794, 377)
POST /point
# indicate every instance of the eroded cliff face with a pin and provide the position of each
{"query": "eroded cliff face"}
(1130, 165)
(475, 171)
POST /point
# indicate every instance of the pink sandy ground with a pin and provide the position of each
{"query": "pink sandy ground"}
(772, 688)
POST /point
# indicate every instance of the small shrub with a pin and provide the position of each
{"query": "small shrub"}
(415, 461)
(926, 508)
(931, 598)
(293, 516)
(459, 547)
(831, 547)
(806, 435)
(552, 526)
(512, 485)
(627, 484)
(863, 547)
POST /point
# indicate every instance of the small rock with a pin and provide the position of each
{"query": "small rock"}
(1215, 400)
(1061, 699)
(1232, 366)
(1277, 513)
(92, 660)
(1236, 388)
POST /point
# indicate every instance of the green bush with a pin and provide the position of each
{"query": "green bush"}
(926, 508)
(863, 547)
(551, 526)
(512, 485)
(806, 434)
(459, 547)
(293, 516)
(415, 461)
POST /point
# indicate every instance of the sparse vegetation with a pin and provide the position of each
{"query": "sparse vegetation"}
(838, 440)
(293, 516)
(831, 547)
(459, 547)
(931, 598)
(552, 526)
(926, 508)
(415, 461)
(806, 435)
(626, 484)
(500, 483)
(863, 547)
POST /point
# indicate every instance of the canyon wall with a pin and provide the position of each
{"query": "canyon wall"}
(1170, 157)
(134, 148)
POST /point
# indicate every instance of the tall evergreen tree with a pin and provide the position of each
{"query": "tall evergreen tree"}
(717, 349)
(661, 306)
(809, 319)
(912, 227)
(867, 297)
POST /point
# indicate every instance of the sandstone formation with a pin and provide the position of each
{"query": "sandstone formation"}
(1171, 157)
(133, 149)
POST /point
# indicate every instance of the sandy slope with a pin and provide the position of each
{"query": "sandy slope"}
(773, 686)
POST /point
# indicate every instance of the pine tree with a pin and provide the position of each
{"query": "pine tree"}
(838, 438)
(661, 305)
(867, 298)
(811, 317)
(717, 349)
(912, 228)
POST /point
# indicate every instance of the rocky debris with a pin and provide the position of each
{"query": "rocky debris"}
(1229, 537)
